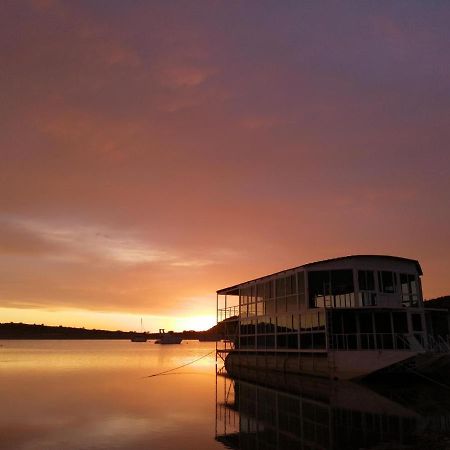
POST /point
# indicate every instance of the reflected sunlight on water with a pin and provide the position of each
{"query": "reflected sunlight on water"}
(92, 394)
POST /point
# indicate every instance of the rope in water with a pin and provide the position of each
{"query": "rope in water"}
(179, 367)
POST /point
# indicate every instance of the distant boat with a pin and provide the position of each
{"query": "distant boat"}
(168, 338)
(139, 337)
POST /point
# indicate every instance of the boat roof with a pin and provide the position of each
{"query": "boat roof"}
(331, 260)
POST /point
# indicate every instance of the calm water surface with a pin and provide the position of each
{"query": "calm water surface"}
(92, 395)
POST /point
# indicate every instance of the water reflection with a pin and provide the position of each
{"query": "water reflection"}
(257, 411)
(71, 395)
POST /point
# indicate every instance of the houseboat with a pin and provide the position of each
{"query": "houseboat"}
(168, 338)
(342, 318)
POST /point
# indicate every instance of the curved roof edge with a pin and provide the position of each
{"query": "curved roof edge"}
(340, 258)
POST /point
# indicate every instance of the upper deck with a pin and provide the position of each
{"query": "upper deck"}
(357, 281)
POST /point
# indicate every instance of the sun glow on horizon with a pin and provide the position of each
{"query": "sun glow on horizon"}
(105, 320)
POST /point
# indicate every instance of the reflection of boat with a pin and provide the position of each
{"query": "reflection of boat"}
(139, 337)
(343, 318)
(257, 411)
(168, 338)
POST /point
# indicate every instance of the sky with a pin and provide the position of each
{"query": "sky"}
(154, 152)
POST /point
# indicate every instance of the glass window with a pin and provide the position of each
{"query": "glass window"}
(292, 341)
(280, 287)
(319, 286)
(331, 288)
(400, 322)
(270, 341)
(261, 342)
(270, 307)
(268, 290)
(409, 289)
(387, 281)
(260, 292)
(319, 340)
(365, 322)
(366, 280)
(291, 285)
(306, 341)
(261, 327)
(281, 305)
(243, 310)
(382, 322)
(305, 322)
(417, 322)
(341, 282)
(301, 282)
(291, 303)
(282, 341)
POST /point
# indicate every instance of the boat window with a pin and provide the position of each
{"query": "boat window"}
(260, 292)
(268, 291)
(367, 298)
(349, 322)
(270, 307)
(417, 322)
(365, 322)
(400, 322)
(382, 322)
(387, 281)
(291, 285)
(331, 288)
(409, 289)
(291, 303)
(280, 287)
(301, 288)
(270, 341)
(319, 286)
(366, 280)
(292, 341)
(281, 305)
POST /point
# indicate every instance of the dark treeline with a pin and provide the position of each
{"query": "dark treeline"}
(27, 331)
(440, 302)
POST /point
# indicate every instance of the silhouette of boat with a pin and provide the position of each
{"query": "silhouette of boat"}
(139, 337)
(342, 318)
(168, 338)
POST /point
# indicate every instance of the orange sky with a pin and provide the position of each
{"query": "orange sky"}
(153, 152)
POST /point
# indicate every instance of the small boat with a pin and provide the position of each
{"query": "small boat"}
(168, 338)
(139, 337)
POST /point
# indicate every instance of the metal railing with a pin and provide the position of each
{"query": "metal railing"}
(370, 341)
(440, 344)
(226, 313)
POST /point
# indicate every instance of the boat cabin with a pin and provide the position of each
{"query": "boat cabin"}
(360, 302)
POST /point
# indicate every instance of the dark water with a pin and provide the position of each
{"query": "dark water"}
(92, 395)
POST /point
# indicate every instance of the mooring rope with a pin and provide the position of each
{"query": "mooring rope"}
(179, 367)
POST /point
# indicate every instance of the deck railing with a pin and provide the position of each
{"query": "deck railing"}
(226, 313)
(372, 341)
(440, 344)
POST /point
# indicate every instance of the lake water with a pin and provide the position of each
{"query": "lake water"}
(58, 395)
(92, 395)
